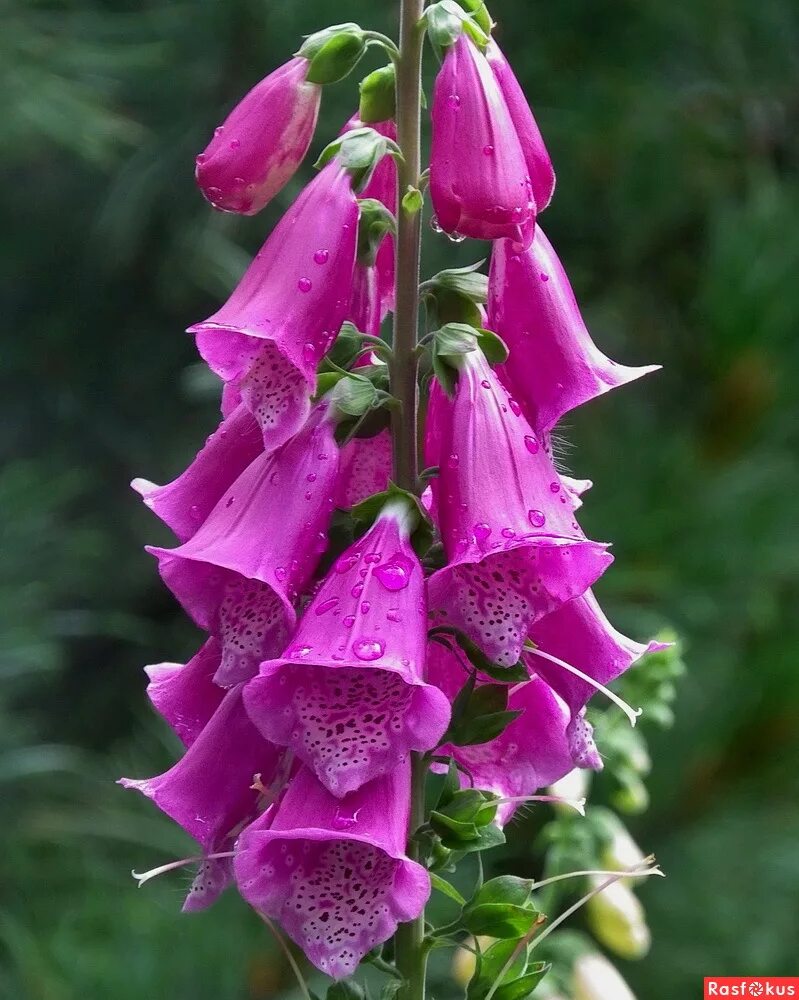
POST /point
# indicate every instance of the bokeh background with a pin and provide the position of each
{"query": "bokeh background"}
(673, 127)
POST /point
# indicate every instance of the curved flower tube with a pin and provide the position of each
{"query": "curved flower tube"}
(334, 872)
(271, 334)
(347, 696)
(262, 141)
(553, 365)
(530, 754)
(479, 180)
(539, 165)
(365, 469)
(185, 695)
(210, 793)
(187, 501)
(240, 573)
(514, 550)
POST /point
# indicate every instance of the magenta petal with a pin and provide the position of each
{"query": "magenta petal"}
(514, 550)
(239, 574)
(286, 311)
(554, 365)
(539, 165)
(479, 180)
(348, 696)
(186, 696)
(365, 311)
(208, 792)
(185, 503)
(334, 872)
(365, 469)
(533, 751)
(579, 634)
(262, 141)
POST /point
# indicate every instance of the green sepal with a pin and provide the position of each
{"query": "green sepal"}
(487, 837)
(374, 222)
(446, 21)
(359, 151)
(454, 833)
(366, 513)
(483, 664)
(524, 986)
(479, 13)
(333, 52)
(390, 989)
(454, 340)
(484, 717)
(353, 395)
(470, 805)
(412, 201)
(378, 93)
(466, 281)
(505, 889)
(490, 964)
(345, 348)
(499, 920)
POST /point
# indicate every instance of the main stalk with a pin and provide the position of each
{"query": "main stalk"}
(410, 953)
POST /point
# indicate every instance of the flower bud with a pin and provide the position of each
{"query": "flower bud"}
(378, 96)
(262, 142)
(617, 920)
(333, 52)
(596, 979)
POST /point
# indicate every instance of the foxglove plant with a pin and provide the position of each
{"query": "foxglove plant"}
(396, 659)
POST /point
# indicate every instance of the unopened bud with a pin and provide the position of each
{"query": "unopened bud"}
(617, 920)
(464, 961)
(596, 979)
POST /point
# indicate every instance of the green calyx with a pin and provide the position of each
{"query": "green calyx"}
(454, 295)
(447, 20)
(359, 151)
(453, 341)
(374, 222)
(419, 526)
(333, 52)
(378, 95)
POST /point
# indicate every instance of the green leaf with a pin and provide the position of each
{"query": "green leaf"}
(479, 660)
(453, 832)
(504, 889)
(487, 837)
(378, 95)
(522, 987)
(454, 339)
(494, 347)
(442, 886)
(492, 962)
(463, 280)
(484, 729)
(500, 920)
(412, 201)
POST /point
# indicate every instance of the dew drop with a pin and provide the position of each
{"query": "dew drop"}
(349, 621)
(393, 615)
(508, 533)
(280, 573)
(488, 150)
(537, 518)
(321, 256)
(435, 225)
(219, 130)
(554, 487)
(396, 573)
(194, 510)
(311, 477)
(481, 531)
(235, 143)
(544, 277)
(453, 461)
(326, 606)
(357, 590)
(531, 444)
(345, 564)
(456, 237)
(305, 284)
(515, 408)
(454, 101)
(369, 649)
(365, 607)
(485, 384)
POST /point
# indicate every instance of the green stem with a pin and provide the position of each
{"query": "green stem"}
(410, 947)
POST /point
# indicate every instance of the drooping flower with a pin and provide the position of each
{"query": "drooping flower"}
(479, 180)
(530, 754)
(347, 695)
(579, 634)
(553, 365)
(285, 313)
(185, 695)
(239, 575)
(185, 503)
(334, 872)
(365, 469)
(209, 791)
(262, 142)
(513, 548)
(539, 165)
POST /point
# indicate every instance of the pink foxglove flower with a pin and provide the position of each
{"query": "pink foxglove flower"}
(334, 872)
(285, 313)
(580, 635)
(185, 503)
(539, 165)
(553, 365)
(365, 469)
(209, 791)
(514, 550)
(530, 754)
(347, 696)
(479, 180)
(239, 575)
(262, 141)
(185, 695)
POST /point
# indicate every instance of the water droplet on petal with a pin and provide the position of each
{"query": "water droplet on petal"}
(481, 531)
(531, 444)
(544, 277)
(554, 487)
(456, 237)
(369, 649)
(537, 518)
(219, 130)
(348, 621)
(395, 574)
(454, 101)
(488, 150)
(305, 284)
(485, 384)
(235, 143)
(357, 590)
(515, 408)
(508, 533)
(393, 615)
(321, 256)
(280, 573)
(452, 461)
(435, 225)
(345, 564)
(365, 606)
(311, 477)
(326, 606)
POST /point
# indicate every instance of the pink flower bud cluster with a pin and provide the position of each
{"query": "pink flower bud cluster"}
(316, 681)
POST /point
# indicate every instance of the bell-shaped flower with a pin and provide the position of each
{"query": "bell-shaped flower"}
(239, 575)
(262, 142)
(347, 695)
(185, 695)
(479, 181)
(365, 469)
(539, 165)
(334, 872)
(285, 313)
(580, 636)
(553, 365)
(187, 501)
(513, 548)
(530, 754)
(210, 793)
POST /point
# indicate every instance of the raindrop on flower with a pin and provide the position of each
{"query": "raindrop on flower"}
(435, 225)
(396, 573)
(321, 256)
(488, 150)
(452, 461)
(454, 101)
(326, 606)
(531, 444)
(369, 649)
(345, 564)
(305, 284)
(349, 621)
(481, 531)
(537, 518)
(554, 487)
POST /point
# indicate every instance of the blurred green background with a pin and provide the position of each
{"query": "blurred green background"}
(673, 127)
